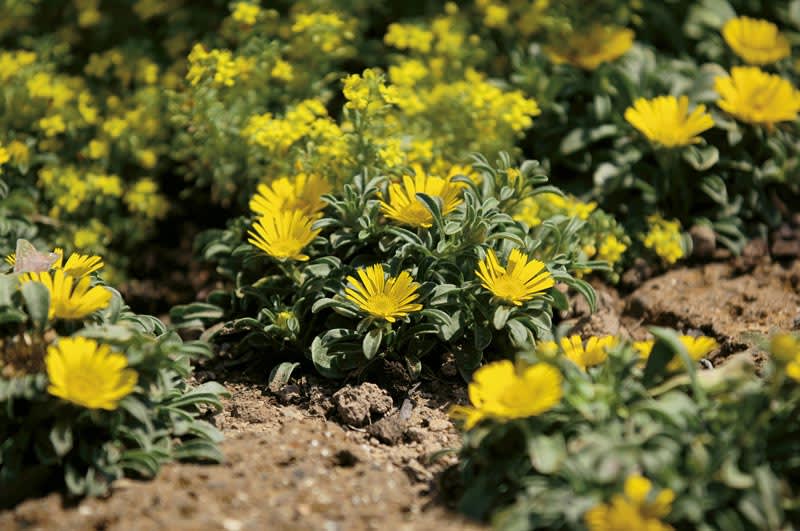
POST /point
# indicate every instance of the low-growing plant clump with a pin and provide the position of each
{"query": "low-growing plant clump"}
(609, 434)
(91, 391)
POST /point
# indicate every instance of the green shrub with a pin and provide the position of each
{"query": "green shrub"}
(90, 391)
(717, 447)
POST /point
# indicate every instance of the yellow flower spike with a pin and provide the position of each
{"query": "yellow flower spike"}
(388, 299)
(589, 49)
(518, 282)
(88, 374)
(756, 97)
(404, 207)
(497, 391)
(283, 234)
(632, 510)
(756, 41)
(302, 192)
(70, 299)
(666, 120)
(593, 353)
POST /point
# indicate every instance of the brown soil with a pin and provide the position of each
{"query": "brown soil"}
(308, 457)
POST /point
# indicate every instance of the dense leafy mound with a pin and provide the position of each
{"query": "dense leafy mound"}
(89, 390)
(606, 433)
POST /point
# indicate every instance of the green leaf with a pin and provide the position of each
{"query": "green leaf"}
(672, 342)
(141, 462)
(660, 356)
(8, 286)
(731, 476)
(323, 361)
(37, 301)
(372, 342)
(483, 337)
(433, 204)
(137, 409)
(280, 374)
(195, 315)
(206, 430)
(518, 333)
(467, 361)
(560, 301)
(501, 314)
(61, 437)
(208, 393)
(701, 158)
(547, 452)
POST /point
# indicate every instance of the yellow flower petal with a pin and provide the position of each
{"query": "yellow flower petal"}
(88, 374)
(380, 297)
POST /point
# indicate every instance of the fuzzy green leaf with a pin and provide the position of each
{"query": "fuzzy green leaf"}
(280, 375)
(61, 437)
(372, 342)
(37, 302)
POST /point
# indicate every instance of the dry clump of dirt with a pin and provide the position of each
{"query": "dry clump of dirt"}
(739, 303)
(291, 463)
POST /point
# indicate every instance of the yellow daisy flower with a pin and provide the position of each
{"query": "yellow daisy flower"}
(384, 298)
(756, 97)
(404, 207)
(70, 299)
(520, 281)
(666, 120)
(594, 352)
(697, 348)
(636, 509)
(589, 49)
(497, 391)
(87, 373)
(303, 192)
(756, 41)
(283, 234)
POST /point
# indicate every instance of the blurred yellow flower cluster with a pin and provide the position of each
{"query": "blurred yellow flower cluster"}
(664, 238)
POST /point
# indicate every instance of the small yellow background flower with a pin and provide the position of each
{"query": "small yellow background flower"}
(520, 281)
(756, 41)
(70, 299)
(87, 373)
(664, 238)
(589, 49)
(384, 298)
(498, 392)
(756, 97)
(283, 235)
(404, 207)
(666, 120)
